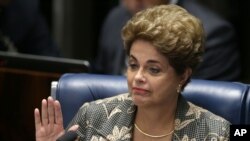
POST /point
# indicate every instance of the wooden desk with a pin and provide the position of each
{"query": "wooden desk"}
(21, 91)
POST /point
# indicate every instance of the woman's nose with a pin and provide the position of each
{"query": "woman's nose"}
(139, 76)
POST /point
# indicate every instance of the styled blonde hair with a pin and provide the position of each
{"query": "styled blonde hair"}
(172, 30)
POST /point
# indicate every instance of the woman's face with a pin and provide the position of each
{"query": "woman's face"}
(152, 80)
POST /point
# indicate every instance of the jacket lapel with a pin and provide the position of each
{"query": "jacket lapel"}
(185, 119)
(119, 123)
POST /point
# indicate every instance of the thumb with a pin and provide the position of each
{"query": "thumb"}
(74, 127)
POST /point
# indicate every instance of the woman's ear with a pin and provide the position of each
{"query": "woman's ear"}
(186, 75)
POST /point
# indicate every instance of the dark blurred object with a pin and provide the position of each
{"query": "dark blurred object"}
(23, 29)
(68, 136)
(42, 63)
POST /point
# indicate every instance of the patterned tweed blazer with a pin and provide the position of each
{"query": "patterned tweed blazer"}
(112, 119)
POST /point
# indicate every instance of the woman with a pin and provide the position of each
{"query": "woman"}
(164, 45)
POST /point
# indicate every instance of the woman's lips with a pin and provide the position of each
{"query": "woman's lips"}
(139, 91)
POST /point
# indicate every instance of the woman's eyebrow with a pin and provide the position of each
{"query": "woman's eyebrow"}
(153, 61)
(132, 57)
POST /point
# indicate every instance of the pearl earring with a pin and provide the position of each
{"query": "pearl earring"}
(179, 89)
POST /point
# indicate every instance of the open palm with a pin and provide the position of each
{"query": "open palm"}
(49, 125)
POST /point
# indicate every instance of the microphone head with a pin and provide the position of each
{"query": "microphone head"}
(68, 136)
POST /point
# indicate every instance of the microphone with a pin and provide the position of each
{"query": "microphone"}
(68, 136)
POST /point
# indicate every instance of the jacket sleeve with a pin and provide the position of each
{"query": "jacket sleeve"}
(80, 119)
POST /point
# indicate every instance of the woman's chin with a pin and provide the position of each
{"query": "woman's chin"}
(139, 100)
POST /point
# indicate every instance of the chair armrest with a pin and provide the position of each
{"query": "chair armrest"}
(53, 89)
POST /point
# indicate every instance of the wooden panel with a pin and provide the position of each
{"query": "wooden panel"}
(21, 91)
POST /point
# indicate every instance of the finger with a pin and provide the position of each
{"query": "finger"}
(58, 113)
(37, 119)
(51, 111)
(74, 127)
(44, 112)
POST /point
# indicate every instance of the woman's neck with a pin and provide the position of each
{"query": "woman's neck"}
(156, 120)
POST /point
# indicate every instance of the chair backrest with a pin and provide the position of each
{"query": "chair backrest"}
(247, 110)
(227, 99)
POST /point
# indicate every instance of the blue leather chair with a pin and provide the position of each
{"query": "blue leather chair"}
(247, 110)
(227, 99)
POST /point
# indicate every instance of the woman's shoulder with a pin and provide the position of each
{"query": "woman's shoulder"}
(207, 124)
(110, 102)
(207, 116)
(114, 99)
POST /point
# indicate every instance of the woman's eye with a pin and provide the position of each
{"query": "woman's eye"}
(133, 66)
(154, 70)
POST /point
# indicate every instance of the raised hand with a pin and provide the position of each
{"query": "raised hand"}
(49, 125)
